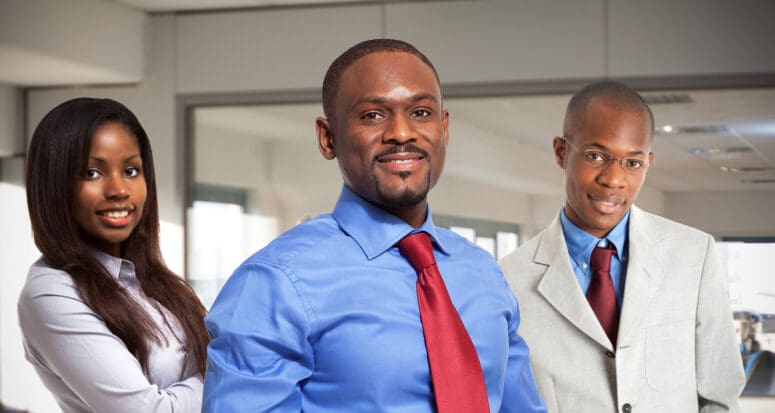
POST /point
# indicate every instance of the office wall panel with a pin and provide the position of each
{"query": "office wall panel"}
(724, 213)
(523, 40)
(86, 41)
(691, 37)
(11, 141)
(267, 50)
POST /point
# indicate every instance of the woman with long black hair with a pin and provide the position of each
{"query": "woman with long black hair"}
(107, 326)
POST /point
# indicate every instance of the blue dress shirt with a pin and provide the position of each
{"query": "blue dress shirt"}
(325, 319)
(580, 245)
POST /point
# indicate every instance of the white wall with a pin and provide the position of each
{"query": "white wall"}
(266, 50)
(460, 197)
(18, 382)
(303, 183)
(724, 213)
(228, 158)
(88, 41)
(750, 267)
(473, 41)
(11, 142)
(690, 37)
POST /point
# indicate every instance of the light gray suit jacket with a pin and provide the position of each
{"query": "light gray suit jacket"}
(676, 348)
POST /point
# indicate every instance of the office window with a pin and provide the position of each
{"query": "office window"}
(497, 238)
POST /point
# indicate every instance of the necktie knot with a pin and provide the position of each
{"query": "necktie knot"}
(601, 258)
(418, 250)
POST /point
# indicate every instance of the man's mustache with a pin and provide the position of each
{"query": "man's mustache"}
(408, 147)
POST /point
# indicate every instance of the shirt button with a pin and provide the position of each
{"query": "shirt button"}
(584, 265)
(610, 354)
(626, 408)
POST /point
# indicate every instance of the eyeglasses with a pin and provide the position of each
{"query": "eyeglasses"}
(596, 158)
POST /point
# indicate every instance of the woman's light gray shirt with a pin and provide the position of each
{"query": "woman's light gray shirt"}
(85, 365)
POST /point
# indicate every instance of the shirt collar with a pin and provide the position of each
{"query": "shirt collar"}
(120, 269)
(581, 243)
(374, 229)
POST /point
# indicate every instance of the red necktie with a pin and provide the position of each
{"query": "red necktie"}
(456, 374)
(601, 294)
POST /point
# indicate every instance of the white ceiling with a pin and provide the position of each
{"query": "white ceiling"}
(507, 140)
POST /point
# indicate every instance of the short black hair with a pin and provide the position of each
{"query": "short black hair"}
(612, 93)
(351, 55)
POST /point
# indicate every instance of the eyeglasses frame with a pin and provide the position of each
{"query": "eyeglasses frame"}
(610, 158)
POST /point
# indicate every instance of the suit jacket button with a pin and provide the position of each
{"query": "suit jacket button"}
(610, 354)
(626, 408)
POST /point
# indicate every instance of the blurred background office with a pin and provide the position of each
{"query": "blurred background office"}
(228, 91)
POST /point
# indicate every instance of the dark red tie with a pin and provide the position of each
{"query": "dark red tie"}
(601, 294)
(456, 374)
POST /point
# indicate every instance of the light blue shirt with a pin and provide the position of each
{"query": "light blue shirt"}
(580, 245)
(85, 365)
(325, 319)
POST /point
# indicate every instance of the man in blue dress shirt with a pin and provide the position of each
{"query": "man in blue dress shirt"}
(326, 318)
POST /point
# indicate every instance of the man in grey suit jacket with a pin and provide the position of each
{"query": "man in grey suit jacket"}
(675, 348)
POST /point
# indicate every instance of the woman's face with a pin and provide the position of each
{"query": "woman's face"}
(110, 195)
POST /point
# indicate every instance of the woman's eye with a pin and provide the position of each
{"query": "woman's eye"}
(92, 173)
(132, 171)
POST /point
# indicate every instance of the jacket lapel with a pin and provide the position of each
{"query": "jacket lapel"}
(560, 287)
(644, 272)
